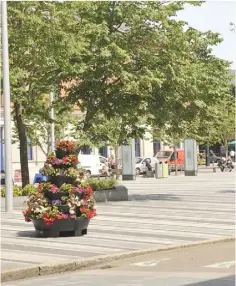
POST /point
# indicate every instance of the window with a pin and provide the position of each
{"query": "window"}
(85, 150)
(102, 160)
(30, 150)
(164, 154)
(156, 147)
(103, 151)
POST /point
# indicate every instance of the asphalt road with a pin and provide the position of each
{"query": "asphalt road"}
(205, 265)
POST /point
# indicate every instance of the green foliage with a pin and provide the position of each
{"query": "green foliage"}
(3, 192)
(29, 190)
(17, 191)
(125, 65)
(105, 184)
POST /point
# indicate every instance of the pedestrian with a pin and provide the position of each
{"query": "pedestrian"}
(232, 155)
(2, 177)
(112, 162)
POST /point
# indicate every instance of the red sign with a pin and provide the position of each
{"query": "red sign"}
(17, 176)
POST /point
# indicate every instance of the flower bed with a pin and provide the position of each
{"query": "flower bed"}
(54, 204)
(98, 184)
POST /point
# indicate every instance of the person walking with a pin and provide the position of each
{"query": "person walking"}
(232, 155)
(112, 162)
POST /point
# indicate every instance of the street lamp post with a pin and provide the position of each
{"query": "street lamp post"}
(52, 122)
(7, 111)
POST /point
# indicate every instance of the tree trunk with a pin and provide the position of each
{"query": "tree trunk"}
(226, 147)
(23, 143)
(116, 160)
(176, 169)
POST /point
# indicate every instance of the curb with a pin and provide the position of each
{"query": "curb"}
(48, 269)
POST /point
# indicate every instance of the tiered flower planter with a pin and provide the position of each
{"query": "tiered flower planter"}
(60, 180)
(63, 205)
(73, 227)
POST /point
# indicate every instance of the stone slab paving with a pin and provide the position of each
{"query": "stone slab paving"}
(160, 212)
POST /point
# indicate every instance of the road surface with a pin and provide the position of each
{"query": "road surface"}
(160, 212)
(205, 265)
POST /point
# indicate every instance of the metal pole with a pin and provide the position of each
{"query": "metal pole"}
(7, 111)
(52, 123)
(207, 155)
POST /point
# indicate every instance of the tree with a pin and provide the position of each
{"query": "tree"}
(195, 82)
(112, 59)
(115, 132)
(39, 128)
(39, 34)
(120, 66)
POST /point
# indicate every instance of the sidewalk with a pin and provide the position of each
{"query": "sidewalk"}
(159, 213)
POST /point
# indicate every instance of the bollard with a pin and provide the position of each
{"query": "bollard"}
(214, 168)
(158, 170)
(165, 170)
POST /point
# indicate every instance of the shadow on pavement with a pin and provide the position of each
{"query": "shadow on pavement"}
(225, 281)
(154, 197)
(31, 233)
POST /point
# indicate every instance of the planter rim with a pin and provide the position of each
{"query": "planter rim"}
(78, 218)
(102, 190)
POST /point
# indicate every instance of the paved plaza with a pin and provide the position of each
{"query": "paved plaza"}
(161, 212)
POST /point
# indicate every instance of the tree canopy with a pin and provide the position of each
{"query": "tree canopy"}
(128, 63)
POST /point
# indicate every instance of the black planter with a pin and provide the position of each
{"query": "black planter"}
(56, 196)
(60, 180)
(67, 227)
(79, 195)
(61, 153)
(64, 208)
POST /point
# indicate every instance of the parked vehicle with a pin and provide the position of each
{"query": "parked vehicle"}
(172, 158)
(214, 158)
(140, 166)
(91, 163)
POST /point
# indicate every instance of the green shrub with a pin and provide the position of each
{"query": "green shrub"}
(3, 192)
(17, 191)
(29, 190)
(105, 184)
(201, 162)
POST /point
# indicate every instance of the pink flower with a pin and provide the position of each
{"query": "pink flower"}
(54, 189)
(65, 216)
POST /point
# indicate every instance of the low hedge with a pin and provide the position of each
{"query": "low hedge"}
(98, 184)
(18, 191)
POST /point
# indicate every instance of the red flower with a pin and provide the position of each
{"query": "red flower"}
(82, 209)
(58, 216)
(91, 213)
(89, 191)
(65, 159)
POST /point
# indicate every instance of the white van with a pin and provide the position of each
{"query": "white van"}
(91, 163)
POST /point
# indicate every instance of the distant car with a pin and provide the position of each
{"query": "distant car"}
(140, 166)
(138, 160)
(214, 158)
(91, 163)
